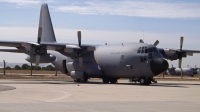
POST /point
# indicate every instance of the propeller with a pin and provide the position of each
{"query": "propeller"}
(76, 51)
(156, 43)
(141, 41)
(34, 48)
(180, 55)
(180, 52)
(37, 50)
(79, 38)
(79, 53)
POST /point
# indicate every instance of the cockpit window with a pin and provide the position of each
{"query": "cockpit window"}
(155, 50)
(146, 51)
(139, 50)
(150, 49)
(142, 50)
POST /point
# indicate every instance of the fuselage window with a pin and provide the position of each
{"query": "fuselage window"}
(122, 56)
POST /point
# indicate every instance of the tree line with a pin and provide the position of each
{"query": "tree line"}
(27, 67)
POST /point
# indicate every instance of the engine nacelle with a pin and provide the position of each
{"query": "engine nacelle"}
(172, 55)
(77, 74)
(44, 58)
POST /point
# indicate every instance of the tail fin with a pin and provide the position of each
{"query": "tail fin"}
(45, 30)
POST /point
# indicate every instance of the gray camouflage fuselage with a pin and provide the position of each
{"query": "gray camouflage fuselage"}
(116, 61)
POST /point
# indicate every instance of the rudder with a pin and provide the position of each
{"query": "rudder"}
(45, 30)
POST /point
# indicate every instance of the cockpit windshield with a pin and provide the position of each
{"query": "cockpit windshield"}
(144, 49)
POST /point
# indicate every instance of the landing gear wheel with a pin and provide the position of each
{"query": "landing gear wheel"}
(148, 81)
(143, 81)
(113, 81)
(84, 80)
(77, 80)
(105, 80)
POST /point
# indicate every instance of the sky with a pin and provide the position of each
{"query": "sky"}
(106, 21)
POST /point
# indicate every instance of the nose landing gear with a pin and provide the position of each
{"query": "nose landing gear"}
(143, 80)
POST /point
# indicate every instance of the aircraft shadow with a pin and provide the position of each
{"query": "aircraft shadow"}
(176, 84)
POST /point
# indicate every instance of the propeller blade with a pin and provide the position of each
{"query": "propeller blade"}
(81, 62)
(179, 62)
(156, 43)
(141, 41)
(181, 43)
(37, 60)
(79, 38)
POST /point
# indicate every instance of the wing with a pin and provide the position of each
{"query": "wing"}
(67, 47)
(174, 54)
(15, 44)
(10, 43)
(20, 47)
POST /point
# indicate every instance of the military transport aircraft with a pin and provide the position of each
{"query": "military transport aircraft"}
(140, 61)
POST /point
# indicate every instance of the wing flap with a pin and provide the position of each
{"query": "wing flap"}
(10, 50)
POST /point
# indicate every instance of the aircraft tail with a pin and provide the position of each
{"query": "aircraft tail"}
(45, 30)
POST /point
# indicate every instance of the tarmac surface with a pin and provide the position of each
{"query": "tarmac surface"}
(66, 96)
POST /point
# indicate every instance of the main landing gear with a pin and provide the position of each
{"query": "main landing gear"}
(84, 80)
(111, 80)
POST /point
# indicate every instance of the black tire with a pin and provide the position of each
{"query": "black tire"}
(143, 81)
(148, 81)
(113, 80)
(105, 80)
(77, 80)
(84, 80)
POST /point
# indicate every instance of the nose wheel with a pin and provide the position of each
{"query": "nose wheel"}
(146, 81)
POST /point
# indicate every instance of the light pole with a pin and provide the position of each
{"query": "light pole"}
(4, 67)
(31, 68)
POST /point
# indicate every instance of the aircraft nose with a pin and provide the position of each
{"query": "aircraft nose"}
(158, 65)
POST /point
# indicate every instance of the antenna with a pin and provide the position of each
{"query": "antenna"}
(143, 34)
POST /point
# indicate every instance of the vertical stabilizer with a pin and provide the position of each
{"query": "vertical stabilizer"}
(45, 30)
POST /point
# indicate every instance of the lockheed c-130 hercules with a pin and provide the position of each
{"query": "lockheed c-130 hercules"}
(139, 61)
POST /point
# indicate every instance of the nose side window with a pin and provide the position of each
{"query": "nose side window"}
(150, 53)
(146, 51)
(150, 49)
